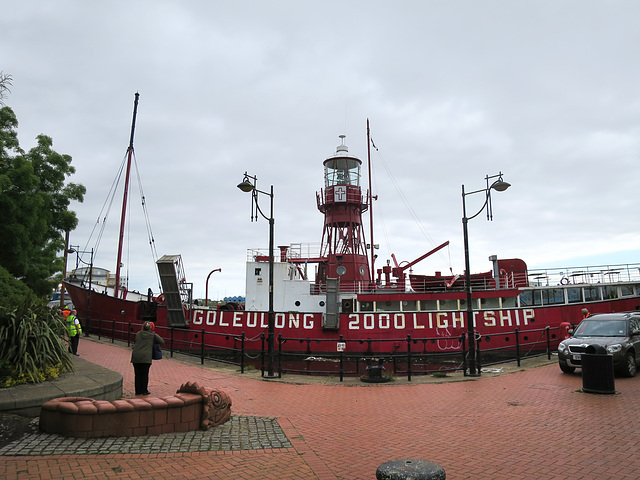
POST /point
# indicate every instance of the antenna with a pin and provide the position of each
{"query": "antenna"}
(346, 105)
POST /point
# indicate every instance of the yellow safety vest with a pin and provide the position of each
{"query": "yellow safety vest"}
(72, 328)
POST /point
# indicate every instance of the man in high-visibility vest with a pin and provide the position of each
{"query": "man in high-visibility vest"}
(74, 329)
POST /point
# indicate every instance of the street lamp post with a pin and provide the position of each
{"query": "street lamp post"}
(247, 186)
(500, 186)
(206, 290)
(78, 252)
(64, 272)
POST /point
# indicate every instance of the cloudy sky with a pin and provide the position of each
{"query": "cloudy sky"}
(546, 91)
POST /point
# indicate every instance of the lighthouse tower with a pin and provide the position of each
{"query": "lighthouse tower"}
(341, 201)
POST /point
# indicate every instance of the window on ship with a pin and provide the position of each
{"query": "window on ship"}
(450, 304)
(366, 306)
(530, 297)
(626, 291)
(509, 302)
(393, 306)
(409, 306)
(592, 294)
(428, 305)
(610, 292)
(463, 304)
(537, 297)
(553, 296)
(574, 295)
(526, 298)
(490, 303)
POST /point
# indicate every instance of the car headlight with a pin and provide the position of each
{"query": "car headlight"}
(614, 348)
(562, 348)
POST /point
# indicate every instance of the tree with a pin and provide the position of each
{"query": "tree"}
(12, 291)
(5, 83)
(34, 206)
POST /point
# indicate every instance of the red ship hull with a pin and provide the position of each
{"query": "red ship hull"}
(440, 330)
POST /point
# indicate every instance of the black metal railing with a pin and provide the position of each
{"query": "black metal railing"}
(407, 356)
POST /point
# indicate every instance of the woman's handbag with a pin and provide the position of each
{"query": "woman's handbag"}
(157, 352)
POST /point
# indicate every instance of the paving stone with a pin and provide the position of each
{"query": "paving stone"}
(266, 433)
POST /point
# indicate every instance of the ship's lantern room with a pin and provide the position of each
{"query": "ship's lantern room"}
(342, 168)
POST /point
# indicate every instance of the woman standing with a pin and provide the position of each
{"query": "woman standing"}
(141, 356)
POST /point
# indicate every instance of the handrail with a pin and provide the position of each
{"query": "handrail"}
(396, 352)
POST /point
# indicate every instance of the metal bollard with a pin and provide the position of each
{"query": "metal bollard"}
(374, 372)
(410, 469)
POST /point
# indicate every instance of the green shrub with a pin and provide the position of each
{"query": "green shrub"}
(31, 343)
(12, 291)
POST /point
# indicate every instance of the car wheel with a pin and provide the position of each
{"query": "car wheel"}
(630, 365)
(567, 368)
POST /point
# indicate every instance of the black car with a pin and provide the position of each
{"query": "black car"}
(618, 333)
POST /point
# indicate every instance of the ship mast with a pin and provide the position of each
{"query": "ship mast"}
(125, 197)
(373, 257)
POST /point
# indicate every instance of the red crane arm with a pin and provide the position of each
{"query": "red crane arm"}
(411, 264)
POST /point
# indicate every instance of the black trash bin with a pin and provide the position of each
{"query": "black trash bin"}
(597, 370)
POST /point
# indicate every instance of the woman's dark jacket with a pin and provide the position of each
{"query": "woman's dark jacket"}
(142, 349)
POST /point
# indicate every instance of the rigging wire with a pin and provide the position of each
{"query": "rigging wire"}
(105, 210)
(99, 226)
(381, 214)
(150, 237)
(128, 246)
(346, 111)
(407, 204)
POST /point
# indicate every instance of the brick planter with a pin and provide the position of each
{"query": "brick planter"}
(193, 407)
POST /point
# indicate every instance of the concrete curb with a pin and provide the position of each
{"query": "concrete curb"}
(86, 380)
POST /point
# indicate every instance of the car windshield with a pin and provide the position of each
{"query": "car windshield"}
(601, 328)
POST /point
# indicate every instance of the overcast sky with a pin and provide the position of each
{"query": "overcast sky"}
(547, 92)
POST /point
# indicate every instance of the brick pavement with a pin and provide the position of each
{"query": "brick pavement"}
(530, 424)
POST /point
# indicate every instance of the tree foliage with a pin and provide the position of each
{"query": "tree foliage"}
(12, 291)
(34, 206)
(5, 83)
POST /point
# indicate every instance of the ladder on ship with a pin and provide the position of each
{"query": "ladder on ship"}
(174, 289)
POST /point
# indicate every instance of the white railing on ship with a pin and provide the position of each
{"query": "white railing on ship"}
(294, 251)
(626, 272)
(594, 274)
